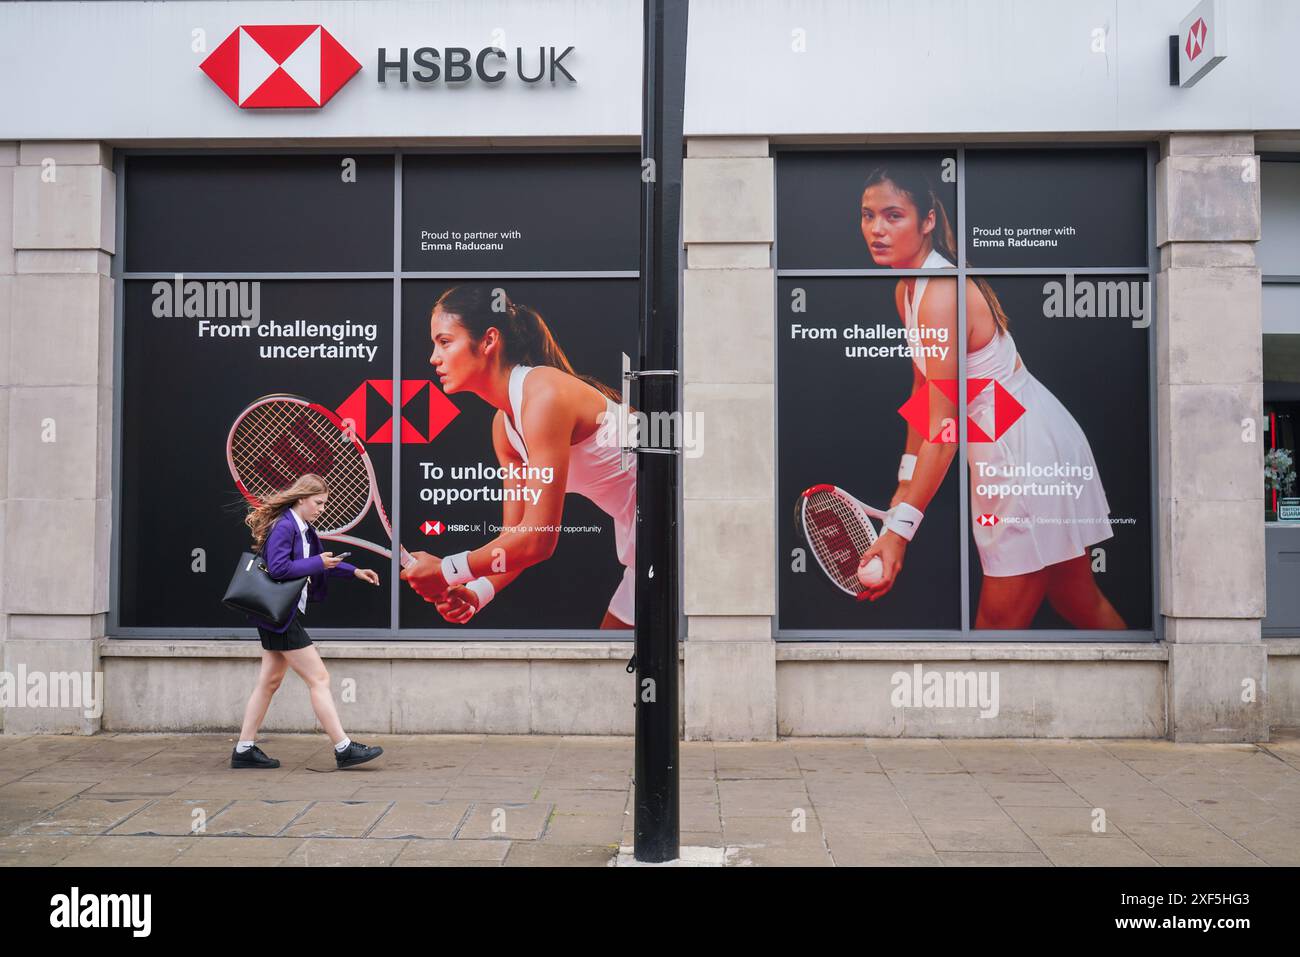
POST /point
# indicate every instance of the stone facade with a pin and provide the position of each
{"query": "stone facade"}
(1208, 681)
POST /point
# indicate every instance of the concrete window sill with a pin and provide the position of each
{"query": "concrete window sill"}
(973, 651)
(372, 649)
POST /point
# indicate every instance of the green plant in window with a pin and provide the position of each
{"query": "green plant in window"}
(1279, 471)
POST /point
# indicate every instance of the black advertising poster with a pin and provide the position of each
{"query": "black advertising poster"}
(454, 486)
(186, 381)
(1068, 472)
(1055, 376)
(241, 374)
(1066, 208)
(822, 215)
(838, 424)
(214, 213)
(488, 488)
(520, 212)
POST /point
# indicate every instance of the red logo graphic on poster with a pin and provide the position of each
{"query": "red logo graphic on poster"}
(1196, 38)
(280, 67)
(433, 528)
(1006, 410)
(426, 411)
(987, 520)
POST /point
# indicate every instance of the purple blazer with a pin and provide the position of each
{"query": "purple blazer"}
(284, 559)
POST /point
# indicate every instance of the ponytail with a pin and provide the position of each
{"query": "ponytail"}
(525, 337)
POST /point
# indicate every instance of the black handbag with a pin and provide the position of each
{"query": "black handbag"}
(253, 591)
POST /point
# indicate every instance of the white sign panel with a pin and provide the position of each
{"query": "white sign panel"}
(260, 69)
(1201, 42)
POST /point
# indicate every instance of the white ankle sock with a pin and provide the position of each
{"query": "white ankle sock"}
(342, 745)
(243, 746)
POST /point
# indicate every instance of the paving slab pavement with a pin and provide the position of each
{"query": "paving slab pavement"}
(555, 801)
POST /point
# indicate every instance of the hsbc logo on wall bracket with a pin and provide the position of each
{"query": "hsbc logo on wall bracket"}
(280, 66)
(1196, 36)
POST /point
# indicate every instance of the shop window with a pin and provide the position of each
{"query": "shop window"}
(1278, 255)
(275, 319)
(1015, 283)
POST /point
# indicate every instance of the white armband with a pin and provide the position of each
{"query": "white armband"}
(455, 569)
(906, 466)
(903, 520)
(484, 589)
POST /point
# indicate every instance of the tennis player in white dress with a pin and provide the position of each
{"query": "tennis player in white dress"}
(1037, 503)
(548, 419)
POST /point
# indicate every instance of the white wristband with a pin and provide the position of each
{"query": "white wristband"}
(903, 520)
(906, 465)
(483, 588)
(455, 569)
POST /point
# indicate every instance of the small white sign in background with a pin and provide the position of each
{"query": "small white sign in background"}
(1202, 44)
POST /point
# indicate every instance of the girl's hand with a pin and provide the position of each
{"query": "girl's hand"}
(367, 575)
(458, 605)
(329, 560)
(890, 548)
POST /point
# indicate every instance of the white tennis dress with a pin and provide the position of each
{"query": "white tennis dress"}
(594, 473)
(1029, 518)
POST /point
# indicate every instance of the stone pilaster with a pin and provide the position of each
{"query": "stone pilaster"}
(1210, 401)
(58, 424)
(728, 478)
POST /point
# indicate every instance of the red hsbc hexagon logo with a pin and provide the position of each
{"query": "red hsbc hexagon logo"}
(280, 66)
(1006, 410)
(987, 519)
(1196, 39)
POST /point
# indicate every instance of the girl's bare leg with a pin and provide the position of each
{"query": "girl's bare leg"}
(268, 680)
(307, 664)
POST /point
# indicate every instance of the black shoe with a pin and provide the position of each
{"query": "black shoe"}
(355, 754)
(252, 758)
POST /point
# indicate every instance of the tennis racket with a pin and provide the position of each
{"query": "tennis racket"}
(838, 529)
(280, 437)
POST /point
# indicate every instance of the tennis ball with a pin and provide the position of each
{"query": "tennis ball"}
(872, 571)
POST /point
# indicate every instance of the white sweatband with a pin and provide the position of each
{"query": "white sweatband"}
(903, 520)
(455, 569)
(483, 588)
(906, 466)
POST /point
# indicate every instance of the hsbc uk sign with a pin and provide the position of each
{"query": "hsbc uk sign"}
(459, 64)
(302, 66)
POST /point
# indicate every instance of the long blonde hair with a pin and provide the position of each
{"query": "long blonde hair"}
(261, 519)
